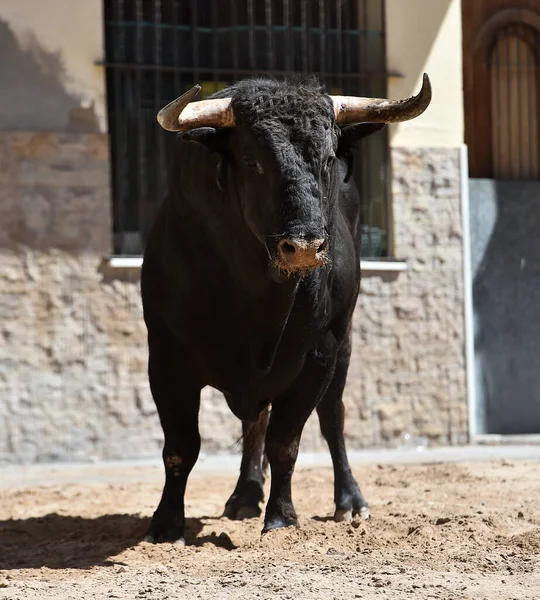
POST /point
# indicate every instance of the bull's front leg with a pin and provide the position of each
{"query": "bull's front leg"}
(290, 412)
(347, 495)
(177, 399)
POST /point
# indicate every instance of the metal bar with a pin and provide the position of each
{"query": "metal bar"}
(176, 57)
(118, 48)
(303, 22)
(251, 34)
(141, 170)
(186, 69)
(215, 48)
(364, 60)
(195, 39)
(270, 61)
(234, 16)
(322, 36)
(339, 42)
(347, 28)
(389, 225)
(158, 85)
(223, 29)
(288, 35)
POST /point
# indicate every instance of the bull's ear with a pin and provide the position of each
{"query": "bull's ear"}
(213, 139)
(351, 134)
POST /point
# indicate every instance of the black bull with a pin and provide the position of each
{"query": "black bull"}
(250, 278)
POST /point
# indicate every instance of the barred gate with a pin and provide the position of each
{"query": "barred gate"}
(157, 49)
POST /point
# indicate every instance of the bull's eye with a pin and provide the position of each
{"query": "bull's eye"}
(252, 164)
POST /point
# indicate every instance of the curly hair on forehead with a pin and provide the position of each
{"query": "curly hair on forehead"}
(291, 101)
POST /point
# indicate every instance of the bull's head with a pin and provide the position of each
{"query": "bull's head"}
(280, 141)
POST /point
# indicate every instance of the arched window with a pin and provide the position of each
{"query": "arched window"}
(501, 54)
(513, 72)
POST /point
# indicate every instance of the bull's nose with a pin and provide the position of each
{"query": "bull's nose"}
(300, 253)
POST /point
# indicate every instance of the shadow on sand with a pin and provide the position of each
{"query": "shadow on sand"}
(67, 542)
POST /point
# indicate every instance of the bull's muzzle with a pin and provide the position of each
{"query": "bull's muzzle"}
(300, 254)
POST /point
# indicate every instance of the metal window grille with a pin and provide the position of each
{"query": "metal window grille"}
(157, 49)
(514, 78)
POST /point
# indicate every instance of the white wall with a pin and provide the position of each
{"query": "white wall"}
(425, 36)
(58, 42)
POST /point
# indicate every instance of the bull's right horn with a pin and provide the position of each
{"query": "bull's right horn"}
(182, 114)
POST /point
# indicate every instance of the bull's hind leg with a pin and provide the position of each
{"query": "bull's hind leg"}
(290, 412)
(177, 400)
(249, 493)
(347, 495)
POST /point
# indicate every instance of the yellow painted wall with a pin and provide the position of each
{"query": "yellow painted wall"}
(58, 41)
(425, 36)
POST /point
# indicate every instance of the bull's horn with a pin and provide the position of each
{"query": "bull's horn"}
(351, 109)
(182, 114)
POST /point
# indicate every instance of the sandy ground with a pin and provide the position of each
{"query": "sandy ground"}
(446, 531)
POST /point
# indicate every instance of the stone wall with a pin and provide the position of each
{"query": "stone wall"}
(73, 352)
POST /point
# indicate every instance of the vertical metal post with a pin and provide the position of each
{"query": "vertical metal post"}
(234, 24)
(387, 158)
(339, 35)
(195, 38)
(322, 36)
(347, 29)
(158, 85)
(269, 35)
(366, 156)
(288, 36)
(215, 49)
(141, 163)
(303, 26)
(251, 21)
(119, 55)
(176, 35)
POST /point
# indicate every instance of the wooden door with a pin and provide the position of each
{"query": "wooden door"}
(501, 46)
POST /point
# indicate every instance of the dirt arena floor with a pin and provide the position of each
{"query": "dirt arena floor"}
(445, 531)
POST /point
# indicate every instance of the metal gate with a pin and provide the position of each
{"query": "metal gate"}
(157, 49)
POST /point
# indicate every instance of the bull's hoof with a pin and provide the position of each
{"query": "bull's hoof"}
(347, 514)
(166, 528)
(245, 503)
(238, 509)
(350, 504)
(278, 523)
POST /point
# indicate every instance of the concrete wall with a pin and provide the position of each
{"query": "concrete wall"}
(48, 77)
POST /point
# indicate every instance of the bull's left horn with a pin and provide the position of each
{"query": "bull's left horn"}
(182, 114)
(351, 109)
